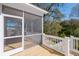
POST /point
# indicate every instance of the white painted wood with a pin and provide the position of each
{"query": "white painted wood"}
(13, 37)
(75, 44)
(32, 10)
(17, 49)
(59, 38)
(67, 46)
(33, 35)
(7, 15)
(11, 52)
(27, 7)
(1, 34)
(71, 43)
(23, 32)
(58, 46)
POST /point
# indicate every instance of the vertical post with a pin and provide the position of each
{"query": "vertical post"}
(23, 32)
(1, 31)
(71, 43)
(67, 46)
(42, 31)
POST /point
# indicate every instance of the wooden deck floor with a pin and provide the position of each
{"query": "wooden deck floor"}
(37, 51)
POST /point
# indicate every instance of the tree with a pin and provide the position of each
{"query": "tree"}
(52, 19)
(76, 32)
(56, 27)
(75, 11)
(47, 27)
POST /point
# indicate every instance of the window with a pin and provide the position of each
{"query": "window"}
(12, 26)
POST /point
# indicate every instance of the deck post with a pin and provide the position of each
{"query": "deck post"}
(71, 43)
(42, 31)
(23, 31)
(67, 46)
(1, 31)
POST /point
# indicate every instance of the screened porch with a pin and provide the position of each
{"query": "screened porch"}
(21, 29)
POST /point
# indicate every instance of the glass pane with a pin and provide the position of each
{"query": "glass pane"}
(11, 11)
(33, 24)
(12, 26)
(12, 43)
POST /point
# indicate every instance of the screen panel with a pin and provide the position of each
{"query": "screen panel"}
(12, 26)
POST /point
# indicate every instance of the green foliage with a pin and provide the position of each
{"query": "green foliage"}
(70, 28)
(76, 32)
(62, 35)
(52, 27)
(52, 20)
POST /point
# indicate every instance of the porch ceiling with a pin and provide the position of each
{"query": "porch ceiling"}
(27, 7)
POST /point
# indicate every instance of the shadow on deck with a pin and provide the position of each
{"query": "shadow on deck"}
(38, 51)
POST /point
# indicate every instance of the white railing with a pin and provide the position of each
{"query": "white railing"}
(57, 43)
(74, 44)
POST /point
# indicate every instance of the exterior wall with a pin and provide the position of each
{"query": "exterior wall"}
(1, 31)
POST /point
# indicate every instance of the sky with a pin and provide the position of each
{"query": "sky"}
(66, 9)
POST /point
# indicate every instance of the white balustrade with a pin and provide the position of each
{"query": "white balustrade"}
(74, 44)
(57, 43)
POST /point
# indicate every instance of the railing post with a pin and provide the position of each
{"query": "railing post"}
(43, 38)
(67, 46)
(71, 43)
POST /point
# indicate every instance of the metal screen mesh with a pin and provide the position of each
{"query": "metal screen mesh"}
(33, 24)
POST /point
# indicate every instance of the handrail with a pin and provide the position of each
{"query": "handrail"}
(75, 38)
(57, 43)
(56, 37)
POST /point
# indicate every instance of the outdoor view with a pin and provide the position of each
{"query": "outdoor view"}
(62, 19)
(57, 30)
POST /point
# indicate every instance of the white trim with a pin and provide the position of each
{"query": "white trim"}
(23, 31)
(11, 52)
(37, 8)
(56, 37)
(7, 15)
(27, 7)
(1, 34)
(32, 34)
(75, 38)
(13, 37)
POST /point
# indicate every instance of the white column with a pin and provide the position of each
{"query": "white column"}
(23, 32)
(71, 43)
(67, 46)
(1, 31)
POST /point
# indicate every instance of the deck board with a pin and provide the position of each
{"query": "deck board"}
(37, 51)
